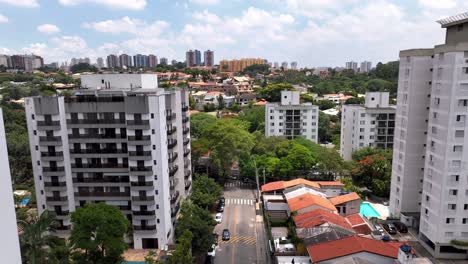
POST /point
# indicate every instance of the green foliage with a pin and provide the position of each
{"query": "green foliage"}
(98, 234)
(272, 93)
(355, 100)
(200, 223)
(150, 258)
(199, 124)
(205, 191)
(255, 115)
(83, 67)
(182, 253)
(460, 243)
(209, 107)
(36, 238)
(255, 69)
(324, 104)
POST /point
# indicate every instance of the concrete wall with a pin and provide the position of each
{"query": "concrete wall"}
(119, 81)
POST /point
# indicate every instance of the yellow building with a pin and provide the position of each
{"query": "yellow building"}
(238, 65)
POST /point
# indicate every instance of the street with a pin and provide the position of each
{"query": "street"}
(247, 233)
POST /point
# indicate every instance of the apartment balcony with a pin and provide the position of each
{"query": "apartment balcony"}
(173, 184)
(144, 213)
(171, 143)
(187, 174)
(98, 151)
(173, 170)
(50, 141)
(187, 163)
(175, 196)
(186, 141)
(101, 138)
(144, 228)
(142, 198)
(145, 168)
(48, 125)
(171, 131)
(174, 211)
(185, 119)
(185, 108)
(56, 199)
(170, 116)
(105, 179)
(102, 194)
(172, 157)
(141, 184)
(106, 167)
(139, 140)
(62, 228)
(139, 153)
(95, 121)
(125, 208)
(186, 152)
(54, 156)
(61, 213)
(188, 184)
(186, 130)
(53, 169)
(55, 184)
(138, 124)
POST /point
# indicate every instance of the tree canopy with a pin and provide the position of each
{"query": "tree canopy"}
(272, 93)
(205, 191)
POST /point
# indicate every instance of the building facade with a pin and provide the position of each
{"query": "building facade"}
(100, 63)
(366, 66)
(292, 119)
(197, 54)
(152, 61)
(140, 61)
(163, 61)
(238, 65)
(125, 60)
(190, 58)
(209, 58)
(113, 61)
(125, 147)
(5, 61)
(429, 183)
(352, 65)
(368, 125)
(10, 249)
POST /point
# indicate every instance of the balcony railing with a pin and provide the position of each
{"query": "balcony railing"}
(185, 119)
(106, 179)
(50, 169)
(186, 163)
(187, 173)
(52, 154)
(186, 152)
(185, 108)
(48, 123)
(139, 138)
(173, 170)
(97, 151)
(186, 130)
(95, 121)
(100, 166)
(173, 157)
(102, 194)
(53, 139)
(138, 122)
(186, 141)
(145, 168)
(142, 198)
(62, 213)
(144, 212)
(139, 153)
(171, 131)
(188, 184)
(56, 199)
(174, 196)
(55, 184)
(171, 143)
(174, 211)
(143, 228)
(141, 184)
(98, 136)
(171, 117)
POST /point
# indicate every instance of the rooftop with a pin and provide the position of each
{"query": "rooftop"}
(352, 245)
(280, 185)
(453, 20)
(307, 200)
(344, 198)
(318, 217)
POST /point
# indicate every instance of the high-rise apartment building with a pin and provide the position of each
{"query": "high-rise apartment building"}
(125, 60)
(163, 61)
(276, 65)
(152, 61)
(352, 65)
(239, 65)
(113, 61)
(190, 58)
(429, 186)
(290, 118)
(5, 61)
(140, 61)
(198, 61)
(10, 249)
(368, 125)
(293, 65)
(366, 66)
(100, 63)
(284, 65)
(115, 143)
(209, 58)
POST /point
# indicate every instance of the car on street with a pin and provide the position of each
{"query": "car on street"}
(220, 208)
(226, 234)
(221, 201)
(401, 227)
(215, 238)
(219, 218)
(212, 253)
(390, 228)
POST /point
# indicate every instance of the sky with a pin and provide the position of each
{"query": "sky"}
(311, 32)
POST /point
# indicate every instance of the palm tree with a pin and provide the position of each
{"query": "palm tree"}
(35, 238)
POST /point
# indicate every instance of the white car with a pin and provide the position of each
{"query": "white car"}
(212, 253)
(219, 218)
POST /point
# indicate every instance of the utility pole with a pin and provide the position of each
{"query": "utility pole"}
(264, 176)
(256, 179)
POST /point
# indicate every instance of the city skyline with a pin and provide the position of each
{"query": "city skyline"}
(140, 26)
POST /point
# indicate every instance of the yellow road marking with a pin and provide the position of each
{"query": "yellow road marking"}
(234, 245)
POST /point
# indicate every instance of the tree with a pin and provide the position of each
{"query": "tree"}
(355, 100)
(255, 69)
(272, 92)
(200, 123)
(205, 191)
(324, 104)
(221, 103)
(83, 67)
(182, 253)
(200, 223)
(98, 234)
(255, 115)
(372, 168)
(150, 257)
(36, 237)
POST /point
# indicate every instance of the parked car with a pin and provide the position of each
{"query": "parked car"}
(390, 228)
(401, 227)
(212, 253)
(377, 234)
(215, 238)
(386, 238)
(219, 218)
(221, 201)
(220, 208)
(226, 234)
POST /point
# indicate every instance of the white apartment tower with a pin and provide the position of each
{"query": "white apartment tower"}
(429, 179)
(10, 249)
(119, 140)
(292, 119)
(368, 125)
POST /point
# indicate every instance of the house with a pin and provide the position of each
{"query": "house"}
(347, 204)
(359, 224)
(331, 188)
(370, 250)
(308, 202)
(276, 207)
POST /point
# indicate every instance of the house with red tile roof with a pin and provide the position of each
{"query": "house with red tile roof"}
(330, 188)
(360, 226)
(347, 204)
(308, 202)
(370, 250)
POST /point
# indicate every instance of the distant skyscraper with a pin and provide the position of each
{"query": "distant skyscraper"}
(140, 61)
(112, 61)
(163, 61)
(197, 58)
(294, 65)
(276, 65)
(5, 60)
(100, 63)
(284, 65)
(190, 58)
(351, 65)
(17, 62)
(209, 58)
(125, 60)
(173, 62)
(238, 65)
(366, 66)
(152, 61)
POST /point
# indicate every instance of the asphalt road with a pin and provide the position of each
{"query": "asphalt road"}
(247, 234)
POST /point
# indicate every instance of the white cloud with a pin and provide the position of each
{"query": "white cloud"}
(204, 2)
(21, 3)
(128, 25)
(206, 17)
(48, 29)
(116, 4)
(316, 8)
(438, 4)
(3, 19)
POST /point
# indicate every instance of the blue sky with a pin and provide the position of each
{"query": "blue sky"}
(311, 32)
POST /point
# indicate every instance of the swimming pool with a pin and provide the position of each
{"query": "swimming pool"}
(368, 211)
(25, 201)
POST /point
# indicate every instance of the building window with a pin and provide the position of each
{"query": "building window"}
(461, 118)
(154, 162)
(37, 147)
(153, 131)
(457, 148)
(463, 102)
(156, 192)
(152, 116)
(454, 178)
(450, 220)
(157, 206)
(35, 132)
(272, 124)
(157, 220)
(154, 146)
(459, 133)
(452, 207)
(464, 221)
(271, 117)
(453, 192)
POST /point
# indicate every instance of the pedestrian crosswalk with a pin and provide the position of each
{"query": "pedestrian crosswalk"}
(249, 240)
(238, 184)
(239, 201)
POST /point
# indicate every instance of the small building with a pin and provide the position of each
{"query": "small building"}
(331, 188)
(347, 204)
(276, 207)
(308, 202)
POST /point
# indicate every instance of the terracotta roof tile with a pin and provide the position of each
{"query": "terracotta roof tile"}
(355, 219)
(352, 245)
(362, 229)
(330, 183)
(273, 186)
(318, 217)
(344, 198)
(307, 199)
(301, 181)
